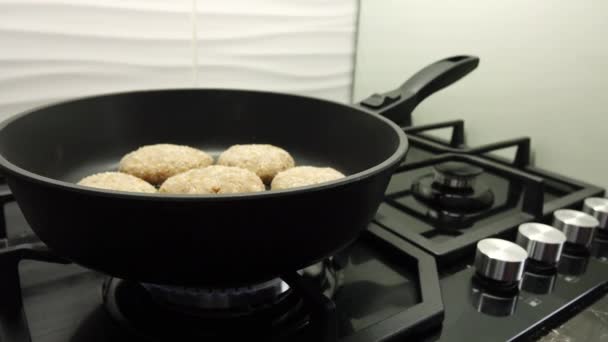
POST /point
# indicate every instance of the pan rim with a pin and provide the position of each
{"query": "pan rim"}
(395, 158)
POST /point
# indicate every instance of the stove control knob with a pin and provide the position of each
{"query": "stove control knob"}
(543, 242)
(578, 226)
(598, 208)
(500, 260)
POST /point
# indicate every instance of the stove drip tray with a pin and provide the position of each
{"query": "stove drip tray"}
(454, 190)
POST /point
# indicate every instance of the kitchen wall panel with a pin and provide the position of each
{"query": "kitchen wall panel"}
(53, 50)
(58, 49)
(299, 46)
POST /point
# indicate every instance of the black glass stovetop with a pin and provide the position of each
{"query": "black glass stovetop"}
(408, 277)
(63, 302)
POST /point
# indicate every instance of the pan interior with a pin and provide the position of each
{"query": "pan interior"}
(74, 139)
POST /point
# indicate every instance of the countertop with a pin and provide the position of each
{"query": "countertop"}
(590, 324)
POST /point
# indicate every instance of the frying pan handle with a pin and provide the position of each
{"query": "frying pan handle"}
(398, 104)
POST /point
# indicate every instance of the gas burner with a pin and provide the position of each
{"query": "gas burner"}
(456, 175)
(453, 190)
(138, 310)
(271, 309)
(447, 196)
(243, 299)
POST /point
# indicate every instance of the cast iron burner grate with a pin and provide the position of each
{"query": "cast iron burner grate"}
(5, 197)
(521, 193)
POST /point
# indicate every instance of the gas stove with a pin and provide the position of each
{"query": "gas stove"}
(419, 271)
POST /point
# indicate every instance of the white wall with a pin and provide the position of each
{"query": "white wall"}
(56, 49)
(543, 71)
(301, 46)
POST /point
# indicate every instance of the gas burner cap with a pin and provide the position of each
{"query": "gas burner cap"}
(456, 175)
(598, 208)
(452, 190)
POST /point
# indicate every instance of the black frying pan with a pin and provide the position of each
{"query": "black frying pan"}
(212, 240)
